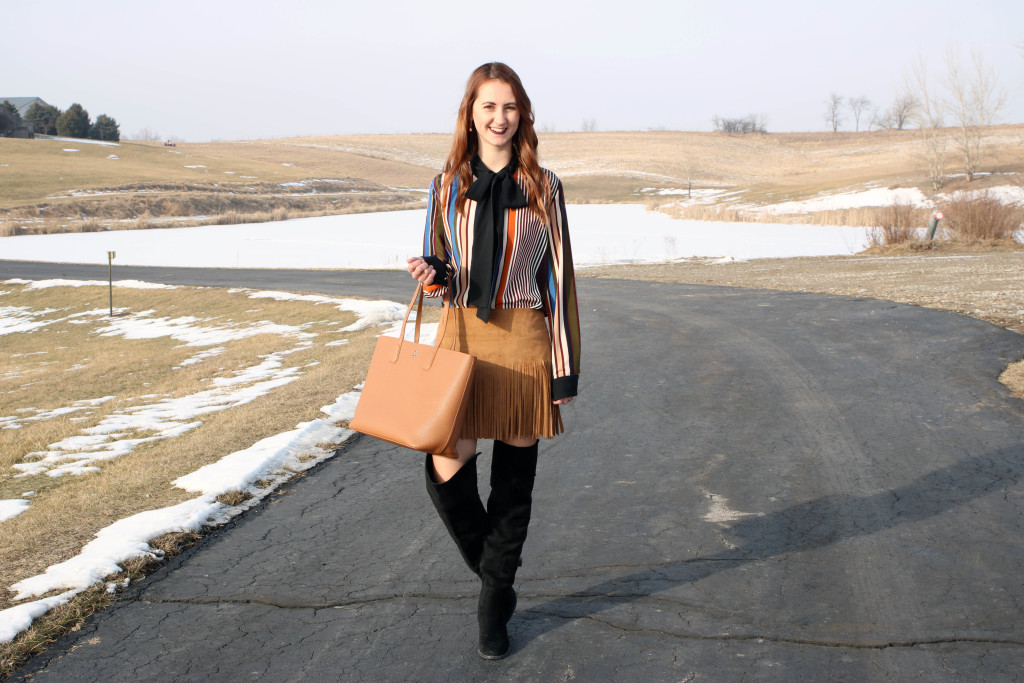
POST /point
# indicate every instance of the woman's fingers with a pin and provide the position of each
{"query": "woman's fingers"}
(421, 270)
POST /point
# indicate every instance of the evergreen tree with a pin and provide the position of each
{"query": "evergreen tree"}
(74, 122)
(44, 116)
(105, 128)
(8, 120)
(11, 109)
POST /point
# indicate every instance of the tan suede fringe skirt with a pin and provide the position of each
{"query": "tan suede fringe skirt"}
(511, 392)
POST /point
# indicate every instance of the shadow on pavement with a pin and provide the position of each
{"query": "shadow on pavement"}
(806, 526)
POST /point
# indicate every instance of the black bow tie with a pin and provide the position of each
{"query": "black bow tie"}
(493, 193)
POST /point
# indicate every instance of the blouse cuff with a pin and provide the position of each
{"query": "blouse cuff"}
(564, 387)
(440, 272)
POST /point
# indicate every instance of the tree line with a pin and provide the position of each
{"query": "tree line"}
(953, 108)
(73, 122)
(956, 107)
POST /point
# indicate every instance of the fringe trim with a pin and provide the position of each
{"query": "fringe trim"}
(506, 403)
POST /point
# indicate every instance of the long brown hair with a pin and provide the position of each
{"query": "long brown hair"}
(524, 142)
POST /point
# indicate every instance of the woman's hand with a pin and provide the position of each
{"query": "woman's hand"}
(563, 401)
(421, 270)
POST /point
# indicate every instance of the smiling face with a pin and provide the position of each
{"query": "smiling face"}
(495, 116)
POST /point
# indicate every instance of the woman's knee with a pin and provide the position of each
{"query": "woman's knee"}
(446, 467)
(521, 441)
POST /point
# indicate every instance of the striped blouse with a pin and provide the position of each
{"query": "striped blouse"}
(533, 268)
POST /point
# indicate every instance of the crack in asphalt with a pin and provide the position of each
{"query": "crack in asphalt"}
(760, 637)
(756, 637)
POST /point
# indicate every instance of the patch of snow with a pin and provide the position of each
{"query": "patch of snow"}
(1005, 194)
(368, 313)
(117, 434)
(127, 284)
(184, 329)
(200, 357)
(21, 319)
(196, 166)
(849, 200)
(17, 421)
(72, 150)
(14, 620)
(121, 541)
(104, 143)
(9, 509)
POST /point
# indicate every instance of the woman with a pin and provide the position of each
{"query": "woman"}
(497, 244)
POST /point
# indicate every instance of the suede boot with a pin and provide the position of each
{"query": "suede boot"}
(513, 471)
(457, 502)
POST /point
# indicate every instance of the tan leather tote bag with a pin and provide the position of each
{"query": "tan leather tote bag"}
(416, 395)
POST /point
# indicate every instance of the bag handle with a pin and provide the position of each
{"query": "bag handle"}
(417, 300)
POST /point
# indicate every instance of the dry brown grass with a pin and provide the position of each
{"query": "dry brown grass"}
(594, 167)
(1013, 377)
(64, 362)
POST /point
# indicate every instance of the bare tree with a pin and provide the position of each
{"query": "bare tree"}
(898, 115)
(751, 123)
(834, 111)
(975, 99)
(928, 117)
(145, 135)
(902, 110)
(857, 105)
(589, 125)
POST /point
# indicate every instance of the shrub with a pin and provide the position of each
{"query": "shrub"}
(895, 224)
(972, 216)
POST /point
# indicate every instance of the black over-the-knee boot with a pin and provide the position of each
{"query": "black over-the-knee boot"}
(458, 504)
(513, 470)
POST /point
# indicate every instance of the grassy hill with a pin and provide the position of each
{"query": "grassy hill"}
(45, 187)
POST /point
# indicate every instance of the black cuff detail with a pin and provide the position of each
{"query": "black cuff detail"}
(564, 387)
(440, 270)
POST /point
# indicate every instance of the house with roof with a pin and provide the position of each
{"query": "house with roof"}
(22, 104)
(23, 128)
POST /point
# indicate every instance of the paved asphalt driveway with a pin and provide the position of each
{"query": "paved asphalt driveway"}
(754, 486)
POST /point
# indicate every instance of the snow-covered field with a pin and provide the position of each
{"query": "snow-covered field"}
(601, 233)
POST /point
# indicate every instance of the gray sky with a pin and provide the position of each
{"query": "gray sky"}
(228, 69)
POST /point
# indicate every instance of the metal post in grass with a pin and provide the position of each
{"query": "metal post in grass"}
(110, 271)
(933, 224)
